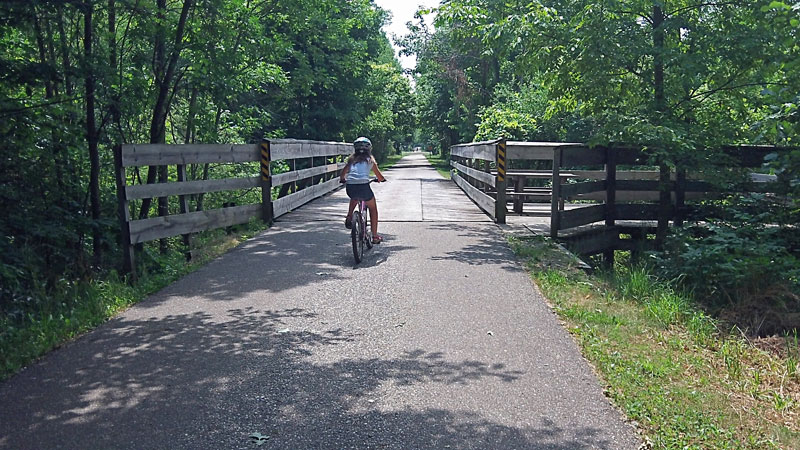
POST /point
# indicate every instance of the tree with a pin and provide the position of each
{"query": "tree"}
(78, 77)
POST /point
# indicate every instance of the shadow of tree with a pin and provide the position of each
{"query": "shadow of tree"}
(189, 381)
(275, 261)
(490, 247)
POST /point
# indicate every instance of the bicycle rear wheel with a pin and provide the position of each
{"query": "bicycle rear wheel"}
(367, 230)
(356, 235)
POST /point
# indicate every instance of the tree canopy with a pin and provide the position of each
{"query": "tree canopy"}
(678, 75)
(79, 76)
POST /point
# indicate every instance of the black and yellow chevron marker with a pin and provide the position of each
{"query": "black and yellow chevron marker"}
(265, 159)
(501, 161)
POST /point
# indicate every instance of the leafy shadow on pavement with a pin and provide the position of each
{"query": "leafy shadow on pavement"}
(187, 381)
(380, 253)
(490, 249)
(276, 261)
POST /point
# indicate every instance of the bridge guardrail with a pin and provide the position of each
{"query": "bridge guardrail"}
(313, 171)
(605, 185)
(480, 182)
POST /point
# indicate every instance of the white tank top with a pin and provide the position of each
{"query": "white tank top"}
(359, 172)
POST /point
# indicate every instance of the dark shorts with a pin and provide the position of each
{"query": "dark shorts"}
(359, 191)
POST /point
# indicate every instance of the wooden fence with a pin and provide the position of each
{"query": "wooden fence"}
(586, 188)
(486, 182)
(635, 201)
(474, 173)
(313, 171)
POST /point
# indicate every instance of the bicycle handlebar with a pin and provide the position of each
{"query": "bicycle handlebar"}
(371, 180)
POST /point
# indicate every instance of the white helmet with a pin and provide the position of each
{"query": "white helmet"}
(362, 145)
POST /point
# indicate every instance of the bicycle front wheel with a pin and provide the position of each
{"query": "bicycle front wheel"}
(356, 234)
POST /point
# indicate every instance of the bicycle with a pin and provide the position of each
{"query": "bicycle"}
(360, 233)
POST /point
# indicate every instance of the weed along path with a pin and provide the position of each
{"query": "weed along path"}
(437, 340)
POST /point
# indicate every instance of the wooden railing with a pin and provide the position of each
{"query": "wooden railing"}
(320, 162)
(473, 164)
(477, 172)
(633, 201)
(586, 187)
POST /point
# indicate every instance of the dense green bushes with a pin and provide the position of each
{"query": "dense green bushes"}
(216, 71)
(745, 265)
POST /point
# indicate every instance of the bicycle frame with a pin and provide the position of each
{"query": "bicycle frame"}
(360, 233)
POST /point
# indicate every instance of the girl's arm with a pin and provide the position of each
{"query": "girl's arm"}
(377, 170)
(344, 172)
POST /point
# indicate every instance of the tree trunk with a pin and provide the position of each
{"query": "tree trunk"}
(51, 58)
(159, 120)
(665, 197)
(116, 116)
(164, 72)
(199, 206)
(92, 135)
(48, 83)
(64, 49)
(189, 136)
(658, 59)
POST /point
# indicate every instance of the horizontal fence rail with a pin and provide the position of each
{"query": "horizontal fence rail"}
(484, 177)
(602, 185)
(485, 202)
(166, 155)
(479, 170)
(542, 151)
(647, 200)
(167, 226)
(139, 191)
(485, 151)
(313, 168)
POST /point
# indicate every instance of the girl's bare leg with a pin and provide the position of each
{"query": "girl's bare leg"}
(373, 216)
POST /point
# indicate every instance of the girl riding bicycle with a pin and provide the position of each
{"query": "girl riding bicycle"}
(356, 175)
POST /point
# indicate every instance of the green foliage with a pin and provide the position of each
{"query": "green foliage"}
(499, 122)
(675, 76)
(240, 71)
(663, 361)
(392, 118)
(749, 257)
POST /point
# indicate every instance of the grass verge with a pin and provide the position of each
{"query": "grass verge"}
(391, 160)
(665, 363)
(442, 165)
(72, 308)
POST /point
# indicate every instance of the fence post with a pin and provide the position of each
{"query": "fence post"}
(680, 195)
(266, 183)
(128, 261)
(555, 213)
(611, 199)
(184, 205)
(664, 204)
(500, 182)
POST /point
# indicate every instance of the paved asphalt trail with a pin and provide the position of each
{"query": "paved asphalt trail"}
(438, 340)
